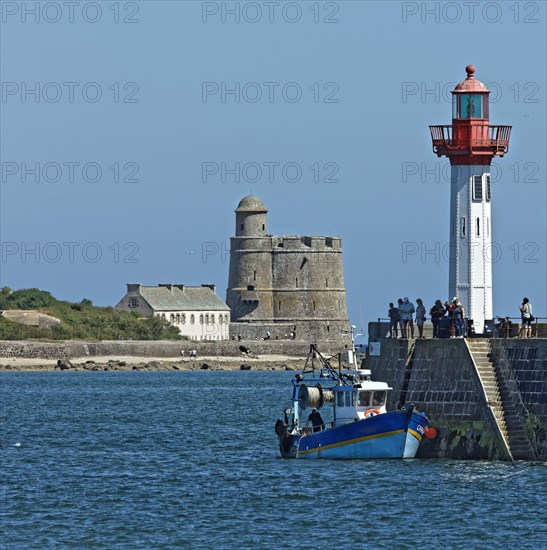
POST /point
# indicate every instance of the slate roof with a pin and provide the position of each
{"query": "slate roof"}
(192, 298)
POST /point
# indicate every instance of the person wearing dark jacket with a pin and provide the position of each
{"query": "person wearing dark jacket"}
(437, 313)
(393, 315)
(316, 421)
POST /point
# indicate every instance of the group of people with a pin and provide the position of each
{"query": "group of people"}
(191, 353)
(402, 317)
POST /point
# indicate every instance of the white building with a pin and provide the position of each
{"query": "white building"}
(196, 311)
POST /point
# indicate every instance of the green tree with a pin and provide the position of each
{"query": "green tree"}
(30, 298)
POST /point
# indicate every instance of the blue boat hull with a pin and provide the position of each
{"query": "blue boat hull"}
(390, 435)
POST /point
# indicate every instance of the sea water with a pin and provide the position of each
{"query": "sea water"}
(190, 460)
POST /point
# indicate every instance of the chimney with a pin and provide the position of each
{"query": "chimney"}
(211, 286)
(133, 287)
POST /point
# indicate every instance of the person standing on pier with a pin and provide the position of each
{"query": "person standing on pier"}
(451, 325)
(393, 315)
(407, 308)
(437, 313)
(400, 312)
(420, 317)
(526, 318)
(459, 314)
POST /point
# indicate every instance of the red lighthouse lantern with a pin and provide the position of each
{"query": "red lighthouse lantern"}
(470, 139)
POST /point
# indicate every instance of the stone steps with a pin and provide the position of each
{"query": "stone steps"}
(500, 400)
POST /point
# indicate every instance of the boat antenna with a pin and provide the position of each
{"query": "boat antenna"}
(315, 356)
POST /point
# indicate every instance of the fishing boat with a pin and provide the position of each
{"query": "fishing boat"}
(361, 427)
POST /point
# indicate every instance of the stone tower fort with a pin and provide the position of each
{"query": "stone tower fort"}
(285, 285)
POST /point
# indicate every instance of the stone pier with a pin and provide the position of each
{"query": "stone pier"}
(477, 416)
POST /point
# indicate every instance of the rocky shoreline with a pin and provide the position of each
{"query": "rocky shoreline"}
(272, 363)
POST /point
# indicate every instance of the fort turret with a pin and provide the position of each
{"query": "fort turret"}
(287, 286)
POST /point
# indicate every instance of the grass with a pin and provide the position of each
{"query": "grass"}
(81, 320)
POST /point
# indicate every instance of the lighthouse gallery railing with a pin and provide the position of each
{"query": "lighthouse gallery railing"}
(498, 136)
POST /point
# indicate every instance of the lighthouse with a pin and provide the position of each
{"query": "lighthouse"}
(471, 143)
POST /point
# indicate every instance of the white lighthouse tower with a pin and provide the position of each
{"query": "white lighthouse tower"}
(471, 143)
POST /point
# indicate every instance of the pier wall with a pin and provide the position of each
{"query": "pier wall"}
(527, 360)
(439, 377)
(157, 349)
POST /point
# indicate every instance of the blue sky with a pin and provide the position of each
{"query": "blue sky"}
(136, 137)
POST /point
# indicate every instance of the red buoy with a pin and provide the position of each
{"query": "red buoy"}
(431, 432)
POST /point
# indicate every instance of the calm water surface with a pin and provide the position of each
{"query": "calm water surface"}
(189, 460)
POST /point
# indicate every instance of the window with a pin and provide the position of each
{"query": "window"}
(254, 275)
(488, 192)
(178, 318)
(340, 399)
(226, 318)
(250, 287)
(242, 227)
(201, 319)
(183, 318)
(326, 283)
(297, 282)
(364, 399)
(470, 106)
(263, 227)
(477, 188)
(134, 302)
(212, 318)
(192, 319)
(220, 319)
(379, 398)
(348, 398)
(279, 306)
(463, 227)
(172, 317)
(478, 227)
(314, 305)
(328, 241)
(206, 318)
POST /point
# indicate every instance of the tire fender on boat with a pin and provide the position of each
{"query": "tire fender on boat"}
(371, 412)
